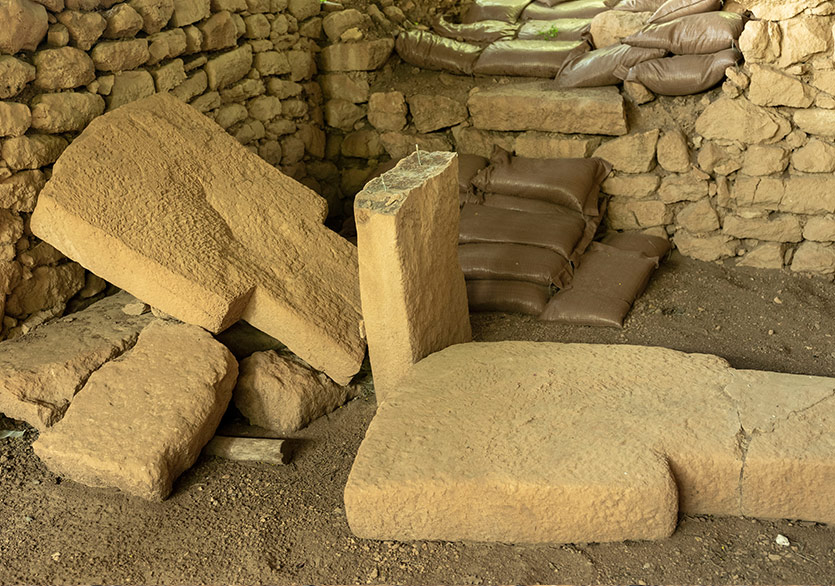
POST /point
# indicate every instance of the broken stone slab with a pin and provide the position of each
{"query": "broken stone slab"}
(192, 223)
(546, 107)
(41, 372)
(142, 419)
(414, 298)
(280, 393)
(248, 449)
(543, 442)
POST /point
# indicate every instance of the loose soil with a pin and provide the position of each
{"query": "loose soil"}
(234, 523)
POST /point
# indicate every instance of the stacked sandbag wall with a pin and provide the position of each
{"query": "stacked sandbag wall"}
(249, 65)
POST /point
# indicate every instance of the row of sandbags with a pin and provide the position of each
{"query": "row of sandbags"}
(525, 232)
(493, 42)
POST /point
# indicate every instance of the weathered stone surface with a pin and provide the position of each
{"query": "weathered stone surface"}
(302, 65)
(345, 86)
(719, 160)
(14, 75)
(802, 38)
(673, 153)
(257, 27)
(141, 421)
(628, 214)
(11, 227)
(779, 9)
(63, 68)
(167, 44)
(689, 187)
(169, 76)
(740, 120)
(634, 153)
(542, 145)
(226, 69)
(242, 258)
(414, 299)
(780, 228)
(472, 141)
(637, 92)
(264, 108)
(190, 11)
(84, 27)
(32, 151)
(130, 86)
(611, 26)
(765, 256)
(540, 470)
(800, 194)
(282, 394)
(303, 9)
(336, 23)
(543, 106)
(15, 119)
(631, 185)
(760, 41)
(24, 25)
(706, 248)
(819, 228)
(45, 288)
(20, 191)
(770, 87)
(120, 55)
(343, 114)
(430, 113)
(219, 32)
(123, 21)
(155, 13)
(816, 157)
(362, 56)
(43, 370)
(364, 144)
(764, 160)
(698, 218)
(271, 63)
(193, 86)
(400, 144)
(57, 36)
(65, 111)
(814, 257)
(387, 111)
(816, 121)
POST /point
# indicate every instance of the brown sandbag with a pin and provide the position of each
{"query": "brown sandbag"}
(683, 75)
(507, 296)
(691, 35)
(465, 197)
(550, 3)
(597, 68)
(672, 9)
(573, 9)
(513, 262)
(523, 204)
(564, 29)
(604, 287)
(573, 183)
(504, 10)
(557, 232)
(526, 58)
(430, 51)
(635, 5)
(468, 166)
(486, 31)
(651, 246)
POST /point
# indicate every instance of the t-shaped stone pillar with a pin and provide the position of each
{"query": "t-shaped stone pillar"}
(414, 299)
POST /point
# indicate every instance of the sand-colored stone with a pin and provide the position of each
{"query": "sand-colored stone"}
(160, 201)
(431, 113)
(770, 87)
(65, 111)
(634, 153)
(543, 145)
(400, 144)
(63, 68)
(764, 160)
(120, 55)
(141, 420)
(413, 294)
(14, 75)
(43, 370)
(707, 248)
(280, 393)
(24, 25)
(15, 119)
(816, 121)
(122, 22)
(538, 442)
(629, 214)
(361, 56)
(765, 256)
(19, 192)
(612, 26)
(631, 185)
(543, 106)
(32, 151)
(820, 229)
(778, 228)
(740, 120)
(814, 257)
(672, 152)
(698, 217)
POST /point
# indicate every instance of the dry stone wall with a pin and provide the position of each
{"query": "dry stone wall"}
(250, 65)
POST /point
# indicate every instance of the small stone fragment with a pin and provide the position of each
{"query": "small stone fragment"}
(387, 111)
(14, 75)
(673, 153)
(15, 119)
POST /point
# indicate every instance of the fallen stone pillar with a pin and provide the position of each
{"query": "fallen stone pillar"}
(41, 372)
(157, 199)
(414, 298)
(141, 420)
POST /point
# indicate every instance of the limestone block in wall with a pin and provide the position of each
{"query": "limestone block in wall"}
(698, 218)
(52, 5)
(770, 87)
(431, 113)
(765, 256)
(673, 154)
(816, 121)
(24, 26)
(194, 39)
(776, 228)
(814, 257)
(719, 159)
(294, 108)
(820, 228)
(803, 37)
(88, 5)
(211, 101)
(84, 27)
(189, 11)
(242, 91)
(779, 9)
(364, 144)
(311, 28)
(155, 13)
(257, 26)
(63, 68)
(120, 55)
(629, 214)
(387, 111)
(32, 151)
(740, 120)
(11, 227)
(352, 87)
(231, 114)
(634, 153)
(19, 192)
(343, 114)
(169, 76)
(14, 76)
(44, 288)
(271, 63)
(760, 41)
(612, 26)
(816, 157)
(361, 56)
(128, 87)
(313, 138)
(398, 144)
(226, 69)
(303, 9)
(764, 160)
(336, 23)
(472, 141)
(57, 36)
(302, 65)
(631, 185)
(123, 22)
(824, 80)
(15, 119)
(193, 86)
(706, 248)
(264, 108)
(229, 5)
(167, 44)
(690, 187)
(545, 145)
(65, 111)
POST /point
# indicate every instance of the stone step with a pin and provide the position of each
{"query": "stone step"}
(543, 442)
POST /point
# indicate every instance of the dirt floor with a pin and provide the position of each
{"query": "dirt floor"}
(233, 523)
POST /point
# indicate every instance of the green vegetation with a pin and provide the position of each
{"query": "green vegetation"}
(550, 34)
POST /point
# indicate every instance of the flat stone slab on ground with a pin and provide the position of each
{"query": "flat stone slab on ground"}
(543, 442)
(159, 200)
(41, 372)
(544, 106)
(142, 419)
